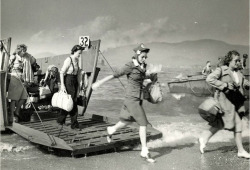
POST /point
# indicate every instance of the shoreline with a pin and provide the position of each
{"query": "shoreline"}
(219, 155)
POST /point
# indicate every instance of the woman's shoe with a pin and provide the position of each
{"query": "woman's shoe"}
(147, 157)
(243, 154)
(202, 145)
(16, 119)
(75, 126)
(109, 137)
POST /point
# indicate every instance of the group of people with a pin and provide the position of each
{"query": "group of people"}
(22, 76)
(226, 78)
(221, 60)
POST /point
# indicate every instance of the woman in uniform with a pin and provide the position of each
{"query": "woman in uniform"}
(132, 109)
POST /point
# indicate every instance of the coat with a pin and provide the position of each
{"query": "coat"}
(231, 102)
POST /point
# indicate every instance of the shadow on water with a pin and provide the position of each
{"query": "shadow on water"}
(225, 149)
(65, 153)
(167, 150)
(6, 132)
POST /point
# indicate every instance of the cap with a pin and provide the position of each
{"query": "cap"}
(76, 48)
(141, 48)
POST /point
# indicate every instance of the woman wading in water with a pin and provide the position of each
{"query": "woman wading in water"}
(230, 84)
(132, 109)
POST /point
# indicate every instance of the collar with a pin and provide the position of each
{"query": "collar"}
(136, 63)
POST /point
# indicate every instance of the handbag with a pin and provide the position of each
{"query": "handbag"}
(62, 100)
(44, 90)
(153, 92)
(209, 109)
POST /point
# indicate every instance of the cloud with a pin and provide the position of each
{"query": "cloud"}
(44, 36)
(112, 34)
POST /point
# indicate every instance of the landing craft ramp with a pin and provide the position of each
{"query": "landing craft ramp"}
(43, 129)
(91, 138)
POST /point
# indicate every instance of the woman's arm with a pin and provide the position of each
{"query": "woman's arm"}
(214, 79)
(100, 82)
(63, 71)
(246, 84)
(118, 73)
(63, 88)
(203, 71)
(46, 75)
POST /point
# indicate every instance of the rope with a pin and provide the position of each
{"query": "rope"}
(50, 137)
(111, 67)
(5, 48)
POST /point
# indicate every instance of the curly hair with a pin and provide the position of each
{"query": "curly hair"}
(229, 57)
(22, 46)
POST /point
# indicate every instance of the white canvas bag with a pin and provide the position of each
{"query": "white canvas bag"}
(62, 100)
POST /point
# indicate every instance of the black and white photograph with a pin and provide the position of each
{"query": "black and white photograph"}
(124, 84)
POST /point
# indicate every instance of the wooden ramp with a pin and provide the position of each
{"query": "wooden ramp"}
(91, 138)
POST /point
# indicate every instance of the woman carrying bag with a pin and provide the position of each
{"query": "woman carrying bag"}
(132, 110)
(230, 83)
(69, 84)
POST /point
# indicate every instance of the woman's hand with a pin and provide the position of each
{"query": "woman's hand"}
(42, 82)
(63, 88)
(230, 86)
(95, 85)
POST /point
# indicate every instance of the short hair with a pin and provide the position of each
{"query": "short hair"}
(229, 56)
(76, 48)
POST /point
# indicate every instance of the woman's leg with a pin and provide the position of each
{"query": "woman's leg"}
(19, 105)
(12, 110)
(144, 149)
(205, 136)
(238, 138)
(143, 136)
(73, 116)
(112, 129)
(121, 124)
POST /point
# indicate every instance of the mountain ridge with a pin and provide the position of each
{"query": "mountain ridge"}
(185, 53)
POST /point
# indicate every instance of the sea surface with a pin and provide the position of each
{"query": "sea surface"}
(176, 117)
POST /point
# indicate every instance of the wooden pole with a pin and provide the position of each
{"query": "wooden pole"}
(5, 55)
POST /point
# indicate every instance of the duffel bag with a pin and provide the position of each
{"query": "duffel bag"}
(62, 100)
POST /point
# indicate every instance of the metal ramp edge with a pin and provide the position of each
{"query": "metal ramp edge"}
(91, 138)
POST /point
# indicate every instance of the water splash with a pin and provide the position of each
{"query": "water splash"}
(6, 147)
(186, 133)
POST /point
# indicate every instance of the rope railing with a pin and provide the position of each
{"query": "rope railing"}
(111, 68)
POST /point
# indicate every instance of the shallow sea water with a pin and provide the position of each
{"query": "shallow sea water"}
(176, 117)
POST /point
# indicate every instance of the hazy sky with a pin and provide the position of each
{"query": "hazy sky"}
(55, 25)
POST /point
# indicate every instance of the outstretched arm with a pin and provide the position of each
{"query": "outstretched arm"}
(118, 73)
(100, 82)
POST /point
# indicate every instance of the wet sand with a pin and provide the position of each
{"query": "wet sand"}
(186, 157)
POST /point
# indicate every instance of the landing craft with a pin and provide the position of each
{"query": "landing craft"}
(196, 85)
(41, 127)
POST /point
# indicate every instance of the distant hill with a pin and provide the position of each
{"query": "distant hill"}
(186, 53)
